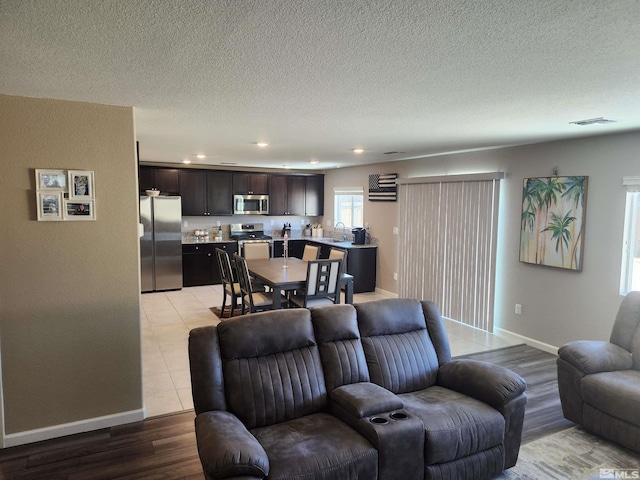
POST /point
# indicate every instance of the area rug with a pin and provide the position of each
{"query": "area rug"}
(573, 454)
(227, 309)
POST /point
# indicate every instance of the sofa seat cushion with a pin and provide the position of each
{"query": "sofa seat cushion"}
(615, 393)
(317, 447)
(455, 425)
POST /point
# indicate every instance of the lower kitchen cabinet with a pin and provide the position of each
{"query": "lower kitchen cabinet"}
(361, 261)
(199, 264)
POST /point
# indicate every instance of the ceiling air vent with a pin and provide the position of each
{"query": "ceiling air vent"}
(594, 121)
(392, 153)
(228, 163)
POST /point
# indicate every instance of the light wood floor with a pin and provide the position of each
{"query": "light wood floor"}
(164, 447)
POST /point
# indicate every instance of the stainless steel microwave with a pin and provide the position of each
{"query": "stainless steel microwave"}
(251, 204)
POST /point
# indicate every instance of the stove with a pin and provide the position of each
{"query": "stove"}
(250, 233)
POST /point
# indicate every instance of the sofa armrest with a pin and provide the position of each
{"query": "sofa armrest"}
(373, 411)
(364, 399)
(227, 449)
(484, 381)
(590, 356)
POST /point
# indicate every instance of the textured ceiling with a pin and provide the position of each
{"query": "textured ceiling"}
(316, 79)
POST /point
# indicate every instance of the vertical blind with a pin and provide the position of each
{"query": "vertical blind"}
(448, 235)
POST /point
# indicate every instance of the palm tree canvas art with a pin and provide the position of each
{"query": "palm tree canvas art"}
(552, 221)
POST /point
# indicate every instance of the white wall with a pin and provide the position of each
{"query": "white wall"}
(558, 305)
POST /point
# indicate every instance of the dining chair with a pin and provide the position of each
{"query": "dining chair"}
(230, 286)
(310, 252)
(256, 251)
(321, 286)
(339, 254)
(253, 301)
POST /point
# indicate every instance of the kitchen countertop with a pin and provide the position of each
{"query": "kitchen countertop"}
(329, 241)
(324, 240)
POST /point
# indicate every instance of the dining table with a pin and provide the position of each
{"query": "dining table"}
(290, 274)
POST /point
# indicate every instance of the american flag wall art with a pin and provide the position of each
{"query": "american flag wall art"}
(382, 187)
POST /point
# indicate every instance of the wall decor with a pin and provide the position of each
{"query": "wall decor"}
(79, 210)
(65, 195)
(50, 206)
(80, 184)
(51, 180)
(552, 223)
(382, 187)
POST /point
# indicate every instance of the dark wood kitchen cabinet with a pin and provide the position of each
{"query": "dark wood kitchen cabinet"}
(206, 192)
(164, 179)
(286, 195)
(250, 184)
(314, 195)
(199, 264)
(296, 195)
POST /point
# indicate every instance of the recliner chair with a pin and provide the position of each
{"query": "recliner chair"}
(599, 382)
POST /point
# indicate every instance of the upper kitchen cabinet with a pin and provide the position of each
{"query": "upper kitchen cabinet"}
(296, 195)
(286, 195)
(314, 195)
(250, 183)
(206, 192)
(164, 179)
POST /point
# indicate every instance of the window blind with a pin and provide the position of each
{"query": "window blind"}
(448, 233)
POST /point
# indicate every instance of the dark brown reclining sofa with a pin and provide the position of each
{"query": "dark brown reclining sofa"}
(343, 392)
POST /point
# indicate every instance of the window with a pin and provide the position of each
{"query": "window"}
(630, 271)
(348, 204)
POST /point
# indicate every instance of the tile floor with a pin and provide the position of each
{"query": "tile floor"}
(167, 318)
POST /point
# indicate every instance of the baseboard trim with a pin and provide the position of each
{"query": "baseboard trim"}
(529, 341)
(81, 426)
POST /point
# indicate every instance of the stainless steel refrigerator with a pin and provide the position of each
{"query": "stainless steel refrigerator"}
(161, 243)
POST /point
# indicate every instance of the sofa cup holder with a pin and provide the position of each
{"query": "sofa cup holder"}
(398, 416)
(378, 420)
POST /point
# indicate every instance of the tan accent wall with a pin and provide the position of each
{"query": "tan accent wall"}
(69, 301)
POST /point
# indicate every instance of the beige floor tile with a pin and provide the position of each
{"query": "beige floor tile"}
(186, 399)
(153, 384)
(181, 379)
(176, 356)
(153, 364)
(162, 403)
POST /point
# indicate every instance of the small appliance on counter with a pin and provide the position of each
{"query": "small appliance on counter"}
(286, 229)
(359, 235)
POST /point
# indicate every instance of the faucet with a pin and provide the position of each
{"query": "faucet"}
(344, 228)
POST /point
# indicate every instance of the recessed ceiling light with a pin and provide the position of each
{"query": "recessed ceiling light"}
(594, 121)
(313, 162)
(358, 150)
(286, 165)
(186, 161)
(262, 144)
(201, 156)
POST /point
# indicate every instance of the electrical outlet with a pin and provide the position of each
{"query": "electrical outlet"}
(185, 224)
(367, 226)
(217, 223)
(273, 222)
(395, 230)
(395, 275)
(518, 309)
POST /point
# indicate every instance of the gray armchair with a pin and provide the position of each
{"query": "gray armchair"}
(599, 382)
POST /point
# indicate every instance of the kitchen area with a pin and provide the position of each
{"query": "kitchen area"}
(187, 214)
(227, 209)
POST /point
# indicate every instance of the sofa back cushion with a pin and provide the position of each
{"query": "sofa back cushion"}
(397, 346)
(272, 368)
(626, 331)
(336, 330)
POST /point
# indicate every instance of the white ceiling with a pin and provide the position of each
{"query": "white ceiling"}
(318, 78)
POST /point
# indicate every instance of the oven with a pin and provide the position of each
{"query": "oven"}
(251, 204)
(245, 233)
